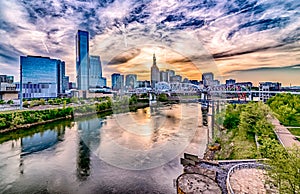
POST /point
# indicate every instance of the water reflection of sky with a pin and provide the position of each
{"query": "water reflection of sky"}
(39, 142)
(85, 157)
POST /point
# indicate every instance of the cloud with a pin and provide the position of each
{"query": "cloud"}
(269, 68)
(240, 35)
(125, 56)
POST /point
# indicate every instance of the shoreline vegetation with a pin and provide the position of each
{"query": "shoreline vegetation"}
(247, 133)
(24, 119)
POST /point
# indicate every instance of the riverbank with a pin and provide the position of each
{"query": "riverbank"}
(15, 120)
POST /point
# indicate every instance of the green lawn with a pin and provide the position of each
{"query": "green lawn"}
(295, 131)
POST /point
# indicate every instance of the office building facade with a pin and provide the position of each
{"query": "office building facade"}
(82, 60)
(95, 72)
(207, 78)
(131, 80)
(164, 76)
(41, 77)
(117, 81)
(230, 82)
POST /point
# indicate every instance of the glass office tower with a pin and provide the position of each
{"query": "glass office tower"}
(41, 77)
(95, 71)
(82, 60)
(117, 81)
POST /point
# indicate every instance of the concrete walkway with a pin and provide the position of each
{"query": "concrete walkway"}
(284, 135)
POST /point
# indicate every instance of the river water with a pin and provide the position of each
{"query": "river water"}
(134, 152)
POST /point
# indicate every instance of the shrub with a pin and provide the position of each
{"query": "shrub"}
(10, 102)
(163, 98)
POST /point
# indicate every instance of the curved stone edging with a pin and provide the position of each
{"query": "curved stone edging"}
(238, 167)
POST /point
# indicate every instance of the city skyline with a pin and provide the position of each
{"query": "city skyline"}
(249, 41)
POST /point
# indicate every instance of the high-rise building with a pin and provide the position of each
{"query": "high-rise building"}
(6, 79)
(207, 78)
(117, 81)
(41, 77)
(95, 71)
(170, 73)
(143, 84)
(230, 82)
(61, 71)
(195, 82)
(186, 80)
(72, 85)
(155, 77)
(3, 78)
(102, 82)
(176, 78)
(164, 76)
(82, 59)
(66, 83)
(131, 80)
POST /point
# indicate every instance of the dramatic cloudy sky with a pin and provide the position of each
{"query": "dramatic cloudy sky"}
(250, 40)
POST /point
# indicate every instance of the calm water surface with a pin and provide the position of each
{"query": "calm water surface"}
(135, 152)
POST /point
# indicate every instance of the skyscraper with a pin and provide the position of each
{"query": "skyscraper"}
(117, 81)
(82, 59)
(207, 78)
(170, 73)
(131, 80)
(61, 72)
(41, 77)
(164, 76)
(155, 77)
(95, 74)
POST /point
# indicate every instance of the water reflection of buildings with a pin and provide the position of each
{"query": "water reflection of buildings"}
(25, 142)
(89, 139)
(42, 140)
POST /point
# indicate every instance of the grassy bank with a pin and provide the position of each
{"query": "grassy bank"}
(243, 124)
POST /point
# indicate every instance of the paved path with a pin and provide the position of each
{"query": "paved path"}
(284, 135)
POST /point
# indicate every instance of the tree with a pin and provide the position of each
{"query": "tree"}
(25, 104)
(162, 97)
(42, 101)
(10, 102)
(284, 168)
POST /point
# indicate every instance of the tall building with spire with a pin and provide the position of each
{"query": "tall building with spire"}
(155, 76)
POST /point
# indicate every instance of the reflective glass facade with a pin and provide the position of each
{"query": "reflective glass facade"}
(117, 81)
(82, 59)
(42, 77)
(95, 71)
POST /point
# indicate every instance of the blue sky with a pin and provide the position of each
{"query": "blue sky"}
(255, 40)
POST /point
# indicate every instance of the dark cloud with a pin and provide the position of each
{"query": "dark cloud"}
(232, 54)
(180, 60)
(261, 25)
(125, 57)
(9, 54)
(269, 69)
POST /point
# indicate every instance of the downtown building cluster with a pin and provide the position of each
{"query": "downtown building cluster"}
(44, 77)
(130, 81)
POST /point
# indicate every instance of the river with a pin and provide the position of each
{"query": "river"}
(133, 152)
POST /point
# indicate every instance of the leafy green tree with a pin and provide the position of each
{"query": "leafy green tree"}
(162, 97)
(42, 101)
(284, 166)
(25, 104)
(10, 102)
